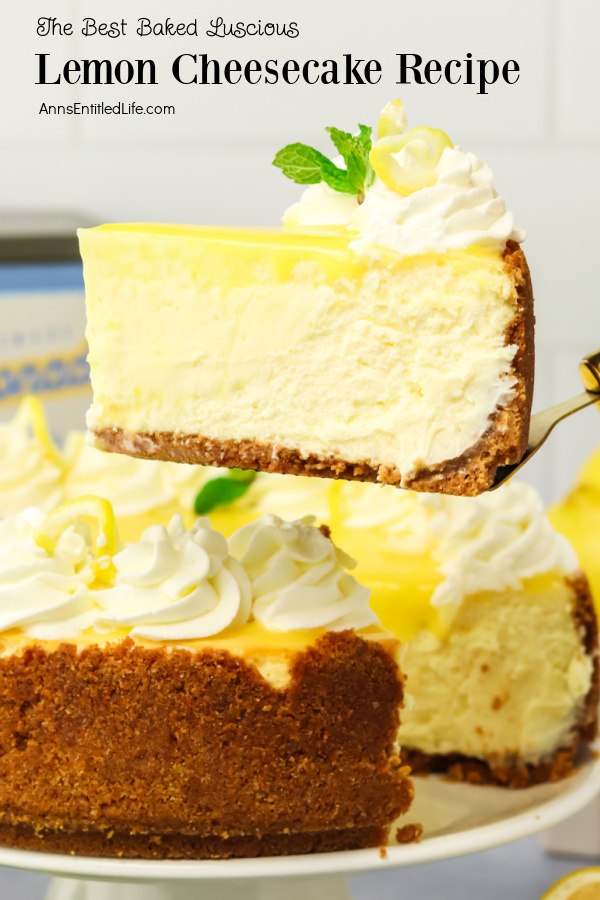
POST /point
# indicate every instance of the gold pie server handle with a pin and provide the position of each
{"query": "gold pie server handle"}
(542, 423)
(589, 369)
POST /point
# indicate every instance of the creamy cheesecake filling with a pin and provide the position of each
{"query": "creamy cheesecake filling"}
(359, 360)
(506, 693)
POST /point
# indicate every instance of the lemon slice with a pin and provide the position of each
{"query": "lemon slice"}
(422, 148)
(31, 416)
(583, 884)
(97, 514)
(392, 119)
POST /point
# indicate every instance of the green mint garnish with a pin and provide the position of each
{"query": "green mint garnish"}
(223, 490)
(305, 165)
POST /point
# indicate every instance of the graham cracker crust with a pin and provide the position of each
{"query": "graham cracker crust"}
(124, 750)
(183, 846)
(504, 443)
(513, 772)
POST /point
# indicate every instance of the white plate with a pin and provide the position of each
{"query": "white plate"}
(458, 819)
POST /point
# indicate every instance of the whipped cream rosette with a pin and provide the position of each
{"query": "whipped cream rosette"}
(494, 542)
(142, 492)
(425, 195)
(423, 555)
(66, 573)
(46, 595)
(32, 471)
(299, 577)
(175, 584)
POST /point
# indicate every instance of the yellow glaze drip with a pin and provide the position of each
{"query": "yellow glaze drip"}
(252, 247)
(246, 640)
(399, 568)
(401, 583)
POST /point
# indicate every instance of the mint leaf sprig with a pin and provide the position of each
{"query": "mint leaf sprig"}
(223, 490)
(306, 165)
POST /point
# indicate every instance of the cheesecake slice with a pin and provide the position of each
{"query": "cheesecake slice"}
(386, 336)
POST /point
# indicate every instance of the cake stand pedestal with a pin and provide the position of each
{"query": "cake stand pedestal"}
(331, 887)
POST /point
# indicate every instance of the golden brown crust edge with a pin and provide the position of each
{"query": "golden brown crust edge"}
(184, 846)
(513, 772)
(157, 753)
(469, 474)
(506, 440)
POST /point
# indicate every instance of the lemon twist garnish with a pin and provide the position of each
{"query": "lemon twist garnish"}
(392, 119)
(582, 884)
(421, 150)
(31, 416)
(101, 532)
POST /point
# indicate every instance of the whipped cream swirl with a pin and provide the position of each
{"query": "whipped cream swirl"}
(47, 596)
(133, 486)
(28, 477)
(398, 518)
(494, 542)
(459, 210)
(175, 584)
(299, 578)
(288, 496)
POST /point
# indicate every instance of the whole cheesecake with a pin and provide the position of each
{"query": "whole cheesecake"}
(498, 628)
(383, 336)
(502, 673)
(171, 701)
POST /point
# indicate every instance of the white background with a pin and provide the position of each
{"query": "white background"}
(210, 163)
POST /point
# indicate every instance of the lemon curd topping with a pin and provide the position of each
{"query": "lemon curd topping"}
(396, 540)
(271, 652)
(423, 557)
(249, 638)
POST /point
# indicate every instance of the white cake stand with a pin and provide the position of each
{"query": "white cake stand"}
(458, 819)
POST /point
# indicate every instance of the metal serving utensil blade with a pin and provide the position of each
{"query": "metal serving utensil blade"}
(542, 423)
